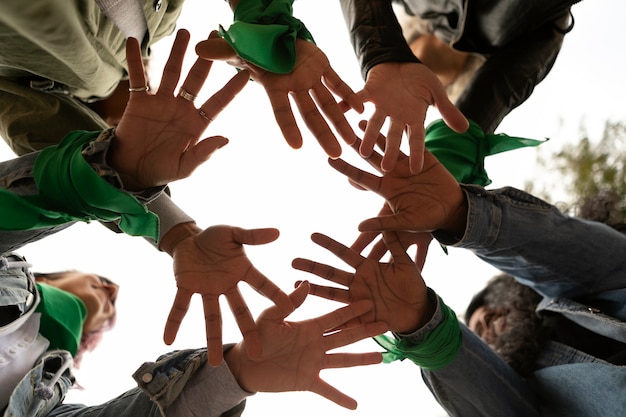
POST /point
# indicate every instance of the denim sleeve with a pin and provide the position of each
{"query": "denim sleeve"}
(556, 254)
(479, 383)
(16, 176)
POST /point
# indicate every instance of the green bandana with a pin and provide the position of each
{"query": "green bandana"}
(70, 190)
(463, 154)
(264, 32)
(439, 347)
(62, 318)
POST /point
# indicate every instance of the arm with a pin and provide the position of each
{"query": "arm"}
(512, 230)
(400, 87)
(157, 141)
(556, 254)
(375, 33)
(279, 52)
(479, 383)
(464, 374)
(294, 353)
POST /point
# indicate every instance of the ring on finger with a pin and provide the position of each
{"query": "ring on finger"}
(186, 95)
(139, 89)
(205, 116)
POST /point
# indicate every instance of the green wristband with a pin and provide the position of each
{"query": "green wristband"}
(264, 32)
(70, 190)
(463, 154)
(438, 348)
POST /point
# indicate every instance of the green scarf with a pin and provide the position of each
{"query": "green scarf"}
(438, 348)
(70, 190)
(463, 154)
(62, 318)
(264, 32)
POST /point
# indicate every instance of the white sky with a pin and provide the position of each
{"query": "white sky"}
(258, 181)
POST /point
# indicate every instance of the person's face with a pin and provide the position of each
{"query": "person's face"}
(97, 293)
(487, 324)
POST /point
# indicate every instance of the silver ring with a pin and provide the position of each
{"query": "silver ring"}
(186, 95)
(204, 116)
(138, 89)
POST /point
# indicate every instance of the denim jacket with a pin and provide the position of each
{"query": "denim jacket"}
(160, 383)
(562, 258)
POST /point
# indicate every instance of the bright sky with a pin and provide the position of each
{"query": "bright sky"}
(258, 181)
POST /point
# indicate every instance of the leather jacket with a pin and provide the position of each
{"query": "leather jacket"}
(519, 38)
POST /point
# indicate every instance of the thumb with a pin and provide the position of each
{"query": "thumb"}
(215, 49)
(384, 223)
(200, 153)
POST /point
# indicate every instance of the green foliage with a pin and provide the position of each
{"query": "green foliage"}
(590, 170)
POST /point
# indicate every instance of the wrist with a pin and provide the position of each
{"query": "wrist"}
(456, 221)
(235, 358)
(170, 240)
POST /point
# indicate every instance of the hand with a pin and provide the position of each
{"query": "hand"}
(158, 137)
(406, 239)
(396, 288)
(402, 92)
(294, 353)
(212, 263)
(424, 202)
(312, 76)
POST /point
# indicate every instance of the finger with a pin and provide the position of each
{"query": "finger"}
(215, 49)
(392, 148)
(416, 148)
(353, 334)
(259, 236)
(245, 321)
(363, 240)
(422, 251)
(364, 179)
(136, 74)
(348, 360)
(173, 66)
(316, 124)
(378, 250)
(450, 114)
(285, 119)
(352, 258)
(198, 154)
(333, 112)
(372, 130)
(213, 320)
(179, 309)
(265, 286)
(197, 74)
(218, 101)
(397, 250)
(343, 90)
(296, 298)
(343, 315)
(374, 159)
(383, 223)
(330, 293)
(333, 394)
(323, 271)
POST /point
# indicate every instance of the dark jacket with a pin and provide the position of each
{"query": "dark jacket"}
(520, 39)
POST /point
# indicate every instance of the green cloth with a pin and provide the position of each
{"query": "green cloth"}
(264, 32)
(463, 154)
(70, 190)
(62, 318)
(438, 348)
